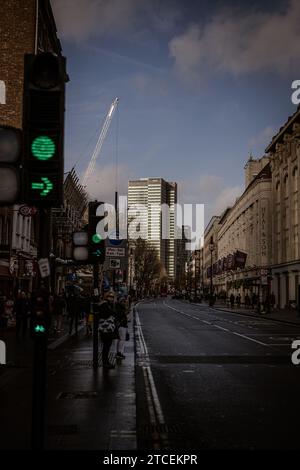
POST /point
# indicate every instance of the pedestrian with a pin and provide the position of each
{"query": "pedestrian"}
(122, 312)
(59, 306)
(22, 313)
(108, 327)
(247, 301)
(231, 299)
(73, 308)
(238, 300)
(272, 300)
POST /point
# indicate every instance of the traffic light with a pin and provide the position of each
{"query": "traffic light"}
(41, 321)
(96, 241)
(10, 155)
(80, 251)
(43, 128)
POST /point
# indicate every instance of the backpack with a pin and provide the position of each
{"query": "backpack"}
(107, 325)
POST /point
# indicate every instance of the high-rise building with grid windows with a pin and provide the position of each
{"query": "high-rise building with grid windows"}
(152, 193)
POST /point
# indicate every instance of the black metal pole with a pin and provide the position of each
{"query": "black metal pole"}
(39, 382)
(96, 317)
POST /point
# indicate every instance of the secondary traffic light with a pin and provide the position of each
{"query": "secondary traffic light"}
(10, 153)
(43, 125)
(41, 321)
(80, 247)
(96, 241)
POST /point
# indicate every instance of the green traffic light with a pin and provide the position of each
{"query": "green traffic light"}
(43, 147)
(96, 238)
(39, 329)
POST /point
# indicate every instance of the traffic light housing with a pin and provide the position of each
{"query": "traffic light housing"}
(10, 161)
(41, 319)
(96, 241)
(43, 129)
(80, 249)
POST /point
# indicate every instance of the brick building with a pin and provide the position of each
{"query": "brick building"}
(26, 26)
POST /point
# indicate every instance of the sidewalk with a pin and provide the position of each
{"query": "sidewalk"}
(284, 316)
(87, 409)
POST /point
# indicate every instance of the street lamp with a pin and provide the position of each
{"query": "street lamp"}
(211, 249)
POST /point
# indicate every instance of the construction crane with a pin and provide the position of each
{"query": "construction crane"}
(100, 141)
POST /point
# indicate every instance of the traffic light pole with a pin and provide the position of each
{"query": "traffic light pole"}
(96, 317)
(40, 349)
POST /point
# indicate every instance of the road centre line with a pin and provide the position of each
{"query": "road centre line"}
(250, 339)
(221, 328)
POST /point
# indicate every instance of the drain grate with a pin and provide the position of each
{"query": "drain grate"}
(77, 395)
(88, 364)
(225, 359)
(62, 429)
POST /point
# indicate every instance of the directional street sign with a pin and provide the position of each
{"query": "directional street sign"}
(115, 251)
(44, 267)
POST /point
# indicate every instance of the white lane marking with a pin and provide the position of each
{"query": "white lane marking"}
(186, 314)
(155, 409)
(250, 339)
(221, 328)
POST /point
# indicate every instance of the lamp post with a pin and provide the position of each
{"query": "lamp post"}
(211, 249)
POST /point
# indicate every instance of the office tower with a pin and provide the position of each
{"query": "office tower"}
(146, 198)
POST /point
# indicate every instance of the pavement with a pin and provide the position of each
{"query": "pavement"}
(86, 408)
(285, 316)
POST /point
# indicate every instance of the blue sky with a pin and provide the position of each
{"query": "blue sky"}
(201, 84)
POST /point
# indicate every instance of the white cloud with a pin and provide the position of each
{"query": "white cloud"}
(102, 183)
(79, 19)
(239, 43)
(263, 138)
(226, 198)
(210, 190)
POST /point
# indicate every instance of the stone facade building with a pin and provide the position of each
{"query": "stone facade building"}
(284, 152)
(210, 234)
(245, 229)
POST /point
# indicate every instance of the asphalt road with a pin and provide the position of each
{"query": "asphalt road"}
(208, 379)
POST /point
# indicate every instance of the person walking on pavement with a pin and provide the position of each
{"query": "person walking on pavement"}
(22, 314)
(122, 312)
(231, 300)
(108, 327)
(73, 308)
(247, 301)
(59, 305)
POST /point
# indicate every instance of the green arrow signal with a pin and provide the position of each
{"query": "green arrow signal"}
(46, 186)
(97, 253)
